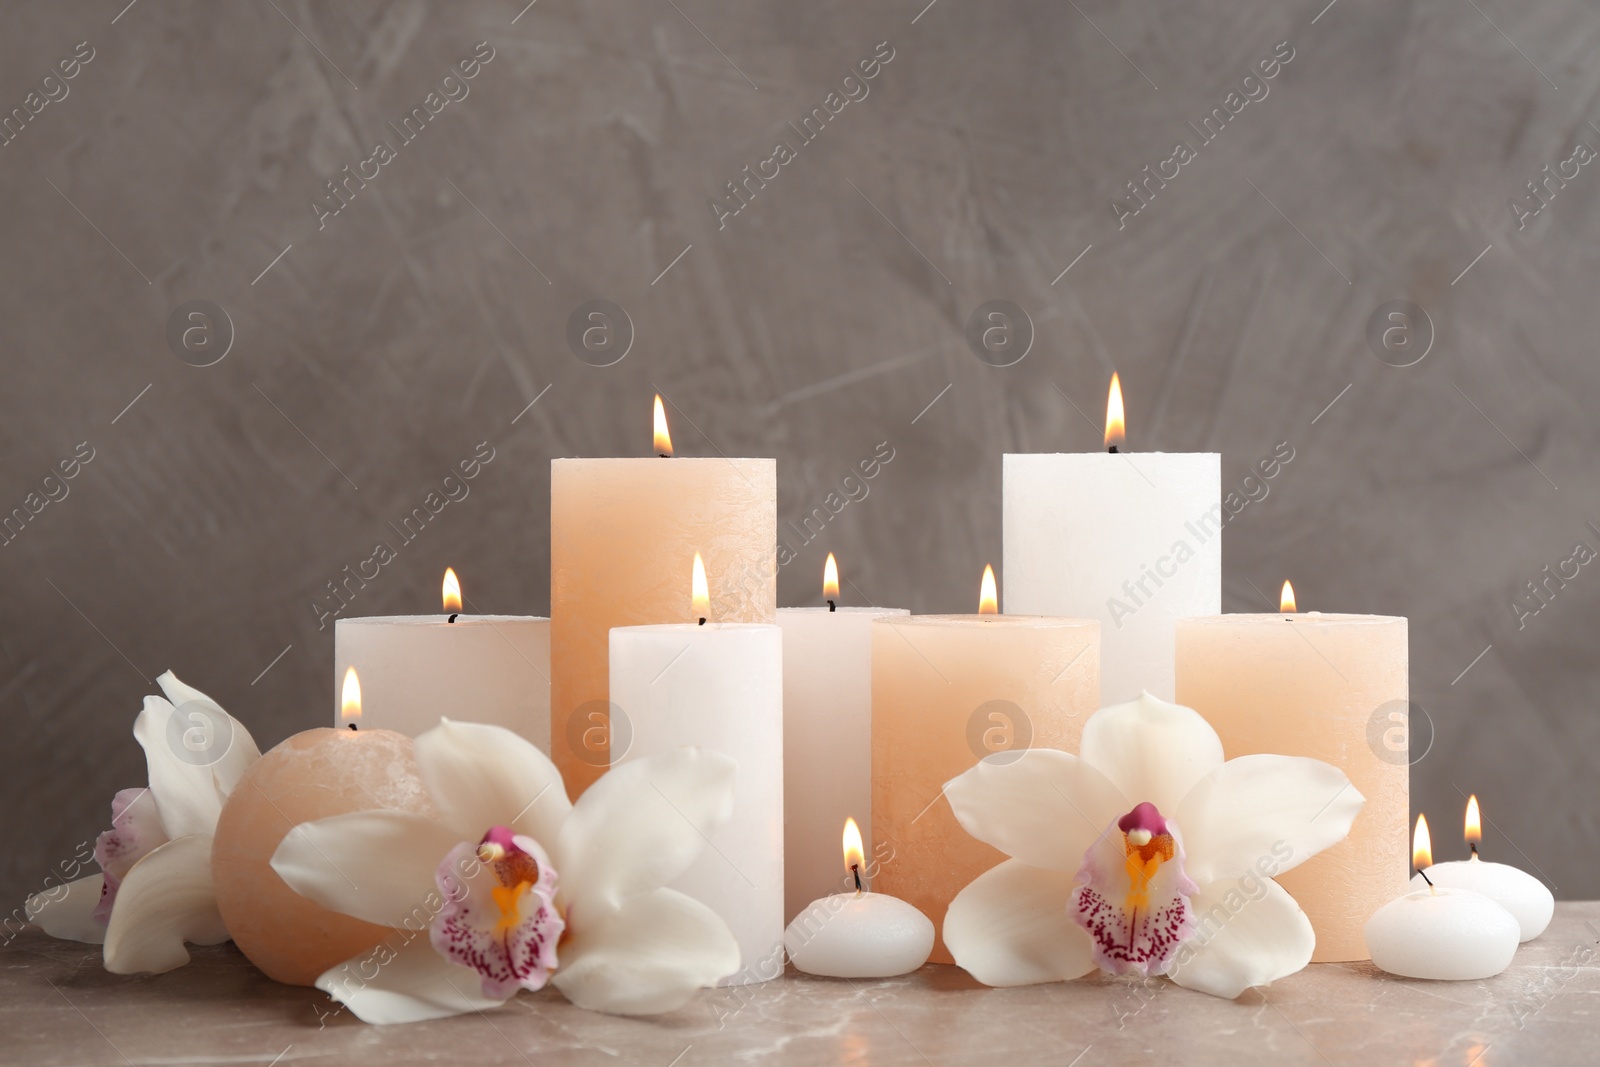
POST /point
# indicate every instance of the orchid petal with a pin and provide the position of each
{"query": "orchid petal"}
(405, 984)
(1009, 927)
(641, 825)
(647, 957)
(1264, 815)
(166, 899)
(481, 776)
(1152, 750)
(376, 866)
(1248, 932)
(241, 751)
(1133, 900)
(186, 792)
(135, 832)
(495, 921)
(67, 911)
(1043, 807)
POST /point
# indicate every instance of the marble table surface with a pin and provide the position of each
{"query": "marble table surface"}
(59, 1007)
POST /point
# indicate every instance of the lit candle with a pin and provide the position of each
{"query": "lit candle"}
(1334, 688)
(827, 735)
(1528, 900)
(312, 775)
(858, 934)
(1441, 933)
(620, 531)
(718, 685)
(948, 690)
(417, 668)
(1133, 541)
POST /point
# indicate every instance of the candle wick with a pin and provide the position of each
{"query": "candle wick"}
(1425, 877)
(1112, 449)
(702, 622)
(663, 455)
(855, 869)
(453, 615)
(832, 606)
(1473, 845)
(352, 726)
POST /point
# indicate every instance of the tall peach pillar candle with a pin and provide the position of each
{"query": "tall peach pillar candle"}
(620, 530)
(948, 690)
(827, 739)
(1334, 688)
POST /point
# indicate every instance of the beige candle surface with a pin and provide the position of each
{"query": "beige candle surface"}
(622, 535)
(948, 690)
(1332, 687)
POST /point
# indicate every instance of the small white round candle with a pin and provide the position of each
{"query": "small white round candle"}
(860, 934)
(1441, 933)
(1524, 896)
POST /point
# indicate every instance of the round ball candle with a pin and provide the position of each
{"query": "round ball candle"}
(620, 531)
(1133, 541)
(1528, 900)
(719, 686)
(312, 775)
(827, 736)
(948, 690)
(1334, 688)
(859, 934)
(416, 668)
(1442, 933)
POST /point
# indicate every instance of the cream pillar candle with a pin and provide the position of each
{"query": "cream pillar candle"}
(416, 668)
(718, 686)
(620, 531)
(1131, 540)
(827, 738)
(948, 690)
(1332, 687)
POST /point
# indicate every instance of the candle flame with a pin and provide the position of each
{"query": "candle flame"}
(452, 590)
(854, 853)
(1286, 598)
(701, 594)
(663, 438)
(830, 579)
(1422, 845)
(988, 600)
(1474, 822)
(350, 698)
(1116, 424)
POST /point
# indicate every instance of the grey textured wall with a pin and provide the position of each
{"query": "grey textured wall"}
(824, 318)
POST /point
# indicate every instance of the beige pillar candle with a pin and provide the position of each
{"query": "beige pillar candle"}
(1332, 687)
(620, 531)
(948, 690)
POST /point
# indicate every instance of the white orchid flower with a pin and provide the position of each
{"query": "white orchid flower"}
(1144, 853)
(154, 891)
(475, 898)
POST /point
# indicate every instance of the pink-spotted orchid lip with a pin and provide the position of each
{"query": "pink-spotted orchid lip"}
(135, 832)
(1134, 895)
(499, 916)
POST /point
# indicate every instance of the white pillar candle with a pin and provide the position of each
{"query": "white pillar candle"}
(1132, 540)
(827, 739)
(858, 934)
(1528, 900)
(1449, 934)
(1333, 688)
(620, 533)
(718, 686)
(415, 669)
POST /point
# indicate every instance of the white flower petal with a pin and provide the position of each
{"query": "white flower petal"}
(1044, 808)
(67, 911)
(187, 794)
(1010, 927)
(1248, 932)
(1153, 751)
(402, 981)
(376, 866)
(646, 958)
(240, 750)
(1264, 815)
(166, 899)
(481, 776)
(641, 825)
